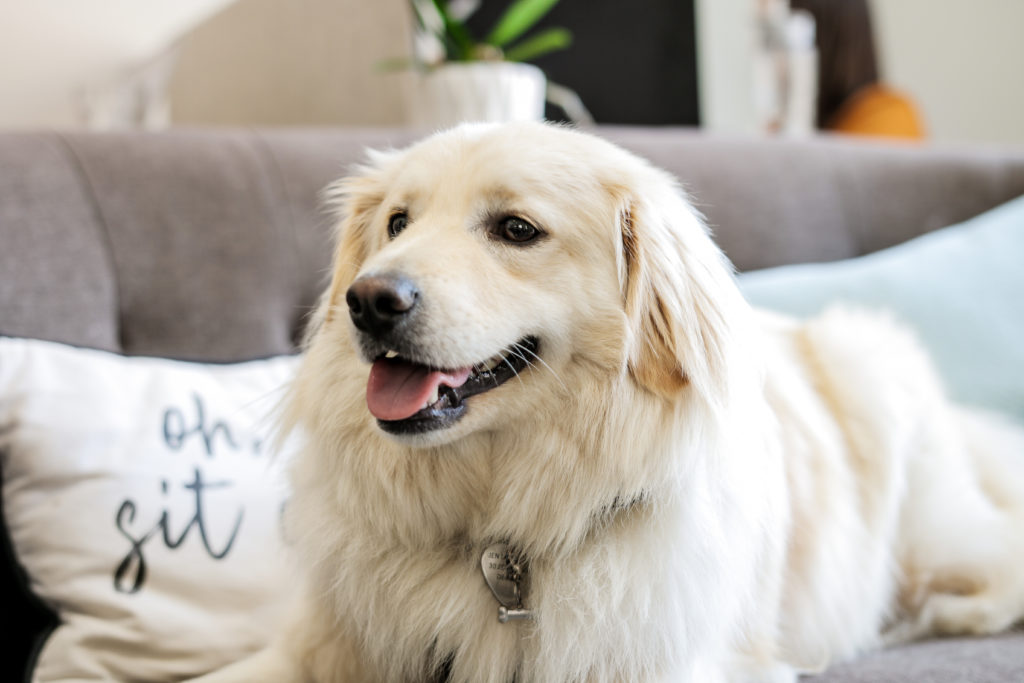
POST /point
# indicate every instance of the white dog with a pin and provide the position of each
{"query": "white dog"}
(534, 392)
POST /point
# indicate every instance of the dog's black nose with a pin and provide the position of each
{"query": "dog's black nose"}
(378, 303)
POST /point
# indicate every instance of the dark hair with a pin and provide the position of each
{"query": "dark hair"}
(846, 51)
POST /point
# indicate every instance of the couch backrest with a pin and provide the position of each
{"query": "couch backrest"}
(213, 244)
(777, 201)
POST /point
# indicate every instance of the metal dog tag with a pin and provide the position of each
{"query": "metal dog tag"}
(505, 577)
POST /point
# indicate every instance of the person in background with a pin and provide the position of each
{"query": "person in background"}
(851, 97)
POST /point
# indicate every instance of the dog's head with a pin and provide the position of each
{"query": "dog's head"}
(492, 271)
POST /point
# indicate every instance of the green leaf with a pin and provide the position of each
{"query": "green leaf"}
(457, 36)
(544, 42)
(518, 19)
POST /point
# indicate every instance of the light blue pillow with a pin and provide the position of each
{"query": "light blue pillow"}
(961, 288)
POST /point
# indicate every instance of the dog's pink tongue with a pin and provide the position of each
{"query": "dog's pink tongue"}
(397, 389)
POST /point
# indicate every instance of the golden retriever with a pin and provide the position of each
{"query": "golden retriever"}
(547, 440)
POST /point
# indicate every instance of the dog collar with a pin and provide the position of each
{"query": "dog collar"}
(505, 572)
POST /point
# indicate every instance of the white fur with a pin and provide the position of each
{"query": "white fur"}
(805, 490)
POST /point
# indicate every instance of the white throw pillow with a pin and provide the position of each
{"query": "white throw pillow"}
(143, 503)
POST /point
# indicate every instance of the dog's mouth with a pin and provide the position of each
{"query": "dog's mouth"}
(408, 397)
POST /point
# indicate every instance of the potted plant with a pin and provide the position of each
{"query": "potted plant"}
(464, 78)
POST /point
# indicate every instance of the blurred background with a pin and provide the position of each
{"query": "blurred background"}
(951, 70)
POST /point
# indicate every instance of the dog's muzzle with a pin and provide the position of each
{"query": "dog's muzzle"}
(407, 391)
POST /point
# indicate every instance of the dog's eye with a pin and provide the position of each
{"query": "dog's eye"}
(397, 224)
(517, 230)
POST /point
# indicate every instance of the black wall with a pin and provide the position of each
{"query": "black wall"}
(632, 61)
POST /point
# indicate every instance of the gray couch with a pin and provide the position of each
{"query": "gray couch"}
(212, 245)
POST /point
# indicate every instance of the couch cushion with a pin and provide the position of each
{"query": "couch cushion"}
(201, 241)
(56, 277)
(993, 659)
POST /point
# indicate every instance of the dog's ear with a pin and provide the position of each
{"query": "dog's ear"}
(679, 295)
(355, 199)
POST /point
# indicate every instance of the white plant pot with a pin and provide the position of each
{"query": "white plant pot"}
(478, 91)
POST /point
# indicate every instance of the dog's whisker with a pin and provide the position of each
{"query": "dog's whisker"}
(512, 352)
(542, 362)
(494, 378)
(519, 350)
(506, 352)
